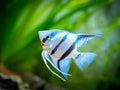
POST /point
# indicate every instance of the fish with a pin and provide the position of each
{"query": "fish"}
(61, 46)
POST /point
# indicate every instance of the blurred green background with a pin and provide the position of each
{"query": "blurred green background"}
(20, 47)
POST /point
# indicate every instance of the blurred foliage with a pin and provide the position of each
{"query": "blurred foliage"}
(20, 48)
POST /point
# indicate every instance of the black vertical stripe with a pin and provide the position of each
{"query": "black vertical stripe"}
(56, 47)
(66, 53)
(45, 39)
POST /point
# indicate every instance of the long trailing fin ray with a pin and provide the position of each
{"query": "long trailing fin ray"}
(50, 68)
(47, 58)
(84, 59)
(64, 66)
(83, 38)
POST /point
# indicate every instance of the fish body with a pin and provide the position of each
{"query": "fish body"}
(61, 46)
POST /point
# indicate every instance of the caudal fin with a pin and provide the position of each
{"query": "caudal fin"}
(83, 60)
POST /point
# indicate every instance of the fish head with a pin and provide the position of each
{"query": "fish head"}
(47, 36)
(44, 37)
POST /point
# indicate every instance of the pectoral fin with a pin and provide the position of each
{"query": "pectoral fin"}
(45, 61)
(49, 60)
(46, 58)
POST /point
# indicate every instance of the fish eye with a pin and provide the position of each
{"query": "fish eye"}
(53, 34)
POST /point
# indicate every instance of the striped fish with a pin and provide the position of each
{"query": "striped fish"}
(59, 46)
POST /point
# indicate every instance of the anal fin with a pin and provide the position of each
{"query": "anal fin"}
(64, 66)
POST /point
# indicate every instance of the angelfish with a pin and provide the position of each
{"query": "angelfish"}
(59, 46)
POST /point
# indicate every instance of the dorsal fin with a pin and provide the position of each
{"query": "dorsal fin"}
(83, 38)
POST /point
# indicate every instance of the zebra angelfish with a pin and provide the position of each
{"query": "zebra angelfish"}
(59, 46)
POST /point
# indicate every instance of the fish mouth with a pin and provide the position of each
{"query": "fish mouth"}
(43, 44)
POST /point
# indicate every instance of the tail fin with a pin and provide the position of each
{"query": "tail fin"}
(83, 60)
